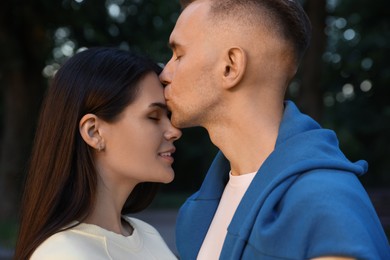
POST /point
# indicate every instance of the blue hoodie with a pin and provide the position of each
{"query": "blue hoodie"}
(305, 201)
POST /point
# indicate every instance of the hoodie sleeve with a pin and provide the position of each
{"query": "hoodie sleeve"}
(332, 213)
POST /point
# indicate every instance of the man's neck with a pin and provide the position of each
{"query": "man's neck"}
(247, 138)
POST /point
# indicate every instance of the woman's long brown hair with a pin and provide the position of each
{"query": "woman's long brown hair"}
(61, 181)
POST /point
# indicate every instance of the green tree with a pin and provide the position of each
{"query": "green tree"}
(23, 44)
(356, 82)
(343, 82)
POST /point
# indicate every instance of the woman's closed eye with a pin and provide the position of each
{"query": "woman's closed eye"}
(157, 118)
(159, 112)
(154, 118)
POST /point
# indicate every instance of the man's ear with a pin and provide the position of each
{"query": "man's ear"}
(89, 130)
(235, 63)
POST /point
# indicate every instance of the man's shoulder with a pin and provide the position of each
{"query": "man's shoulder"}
(329, 200)
(327, 187)
(321, 212)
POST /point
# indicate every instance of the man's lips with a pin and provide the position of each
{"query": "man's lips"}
(168, 102)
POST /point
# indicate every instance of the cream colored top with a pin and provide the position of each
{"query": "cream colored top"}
(231, 197)
(87, 241)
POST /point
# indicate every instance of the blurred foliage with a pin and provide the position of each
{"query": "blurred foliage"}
(138, 25)
(356, 80)
(7, 234)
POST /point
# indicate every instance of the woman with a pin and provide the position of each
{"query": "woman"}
(104, 140)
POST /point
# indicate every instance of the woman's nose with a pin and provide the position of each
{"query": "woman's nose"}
(173, 133)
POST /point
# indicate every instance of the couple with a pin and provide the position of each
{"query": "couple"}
(279, 188)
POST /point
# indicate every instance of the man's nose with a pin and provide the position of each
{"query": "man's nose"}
(165, 75)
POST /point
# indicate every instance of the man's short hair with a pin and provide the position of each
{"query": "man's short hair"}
(286, 18)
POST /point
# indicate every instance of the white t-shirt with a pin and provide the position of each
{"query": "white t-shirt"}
(87, 241)
(231, 197)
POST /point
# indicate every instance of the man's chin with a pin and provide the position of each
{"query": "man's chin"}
(178, 123)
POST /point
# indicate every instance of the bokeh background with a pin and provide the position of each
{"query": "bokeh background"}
(344, 82)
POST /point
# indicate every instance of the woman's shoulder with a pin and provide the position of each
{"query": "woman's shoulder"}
(141, 225)
(152, 241)
(71, 244)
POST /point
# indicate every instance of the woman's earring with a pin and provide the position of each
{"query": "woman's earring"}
(101, 147)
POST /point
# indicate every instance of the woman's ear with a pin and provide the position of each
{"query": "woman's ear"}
(235, 66)
(89, 130)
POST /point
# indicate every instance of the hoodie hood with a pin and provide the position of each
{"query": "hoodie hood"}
(305, 163)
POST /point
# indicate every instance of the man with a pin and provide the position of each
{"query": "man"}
(280, 188)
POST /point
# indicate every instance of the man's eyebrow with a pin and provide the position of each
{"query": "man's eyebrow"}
(159, 105)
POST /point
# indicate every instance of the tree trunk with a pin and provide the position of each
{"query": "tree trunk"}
(22, 86)
(19, 109)
(310, 97)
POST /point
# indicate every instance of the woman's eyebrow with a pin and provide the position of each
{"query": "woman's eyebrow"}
(159, 105)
